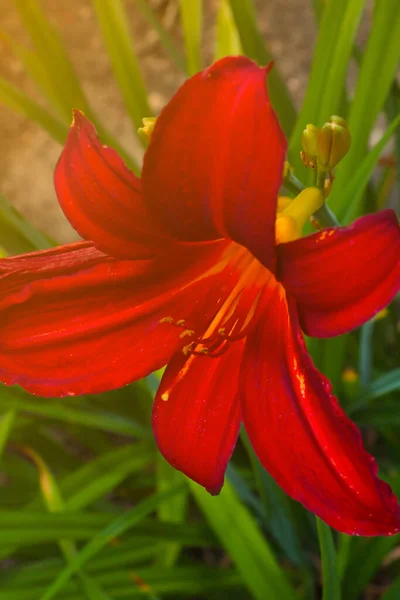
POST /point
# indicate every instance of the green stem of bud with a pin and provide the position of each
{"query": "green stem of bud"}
(324, 215)
(292, 184)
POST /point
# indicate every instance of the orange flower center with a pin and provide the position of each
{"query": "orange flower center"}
(236, 313)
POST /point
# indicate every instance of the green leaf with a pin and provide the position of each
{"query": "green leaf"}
(6, 424)
(378, 68)
(99, 477)
(254, 47)
(16, 234)
(106, 421)
(167, 41)
(277, 510)
(366, 558)
(55, 504)
(173, 510)
(337, 31)
(227, 41)
(145, 582)
(51, 52)
(13, 98)
(346, 200)
(393, 591)
(244, 542)
(116, 528)
(115, 31)
(330, 579)
(385, 384)
(191, 12)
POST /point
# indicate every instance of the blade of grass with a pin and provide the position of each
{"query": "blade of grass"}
(350, 195)
(378, 68)
(13, 98)
(241, 538)
(17, 235)
(114, 27)
(106, 421)
(167, 41)
(330, 579)
(227, 42)
(366, 559)
(35, 68)
(53, 56)
(116, 528)
(276, 507)
(171, 511)
(6, 424)
(55, 504)
(191, 12)
(61, 76)
(254, 47)
(337, 30)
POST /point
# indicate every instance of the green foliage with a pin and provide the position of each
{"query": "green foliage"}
(88, 509)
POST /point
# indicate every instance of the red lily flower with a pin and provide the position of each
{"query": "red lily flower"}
(182, 268)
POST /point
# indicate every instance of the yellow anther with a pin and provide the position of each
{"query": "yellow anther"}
(222, 331)
(166, 320)
(187, 333)
(203, 351)
(181, 322)
(165, 396)
(290, 222)
(188, 349)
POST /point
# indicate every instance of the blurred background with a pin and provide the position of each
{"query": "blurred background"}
(29, 155)
(92, 460)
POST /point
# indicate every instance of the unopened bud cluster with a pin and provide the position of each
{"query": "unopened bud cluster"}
(324, 148)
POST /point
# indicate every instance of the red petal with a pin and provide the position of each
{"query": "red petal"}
(302, 436)
(75, 321)
(214, 164)
(196, 415)
(342, 277)
(101, 197)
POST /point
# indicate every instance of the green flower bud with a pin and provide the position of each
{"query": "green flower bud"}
(309, 144)
(333, 142)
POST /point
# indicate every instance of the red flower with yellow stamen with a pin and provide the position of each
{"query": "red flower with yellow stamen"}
(182, 268)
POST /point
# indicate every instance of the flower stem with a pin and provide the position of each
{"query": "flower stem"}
(292, 184)
(325, 216)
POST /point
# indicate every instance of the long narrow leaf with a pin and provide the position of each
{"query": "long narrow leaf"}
(116, 528)
(241, 538)
(17, 235)
(254, 47)
(191, 12)
(350, 195)
(115, 31)
(334, 44)
(168, 43)
(378, 68)
(227, 37)
(330, 579)
(13, 98)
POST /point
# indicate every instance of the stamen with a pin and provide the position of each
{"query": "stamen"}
(234, 315)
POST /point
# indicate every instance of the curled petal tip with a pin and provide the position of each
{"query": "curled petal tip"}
(79, 119)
